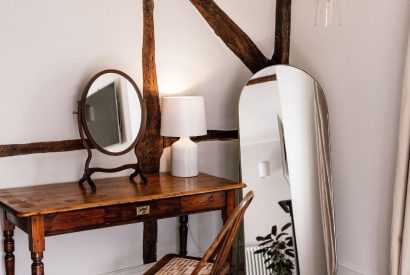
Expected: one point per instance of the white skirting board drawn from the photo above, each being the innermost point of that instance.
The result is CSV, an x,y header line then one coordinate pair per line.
x,y
345,268
135,270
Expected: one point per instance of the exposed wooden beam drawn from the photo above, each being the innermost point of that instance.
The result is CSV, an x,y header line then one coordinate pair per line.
x,y
221,135
261,79
282,32
40,147
149,149
232,35
212,135
9,150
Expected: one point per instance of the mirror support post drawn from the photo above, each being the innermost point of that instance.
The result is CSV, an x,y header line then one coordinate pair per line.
x,y
88,171
86,176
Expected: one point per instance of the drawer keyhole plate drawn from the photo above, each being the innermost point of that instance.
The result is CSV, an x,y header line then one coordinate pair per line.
x,y
143,210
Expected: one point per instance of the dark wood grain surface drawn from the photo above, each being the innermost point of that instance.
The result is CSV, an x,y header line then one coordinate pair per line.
x,y
8,245
282,32
212,135
149,149
61,208
8,150
61,197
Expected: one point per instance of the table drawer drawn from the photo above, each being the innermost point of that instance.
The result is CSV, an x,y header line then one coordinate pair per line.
x,y
133,212
74,220
141,211
109,216
203,202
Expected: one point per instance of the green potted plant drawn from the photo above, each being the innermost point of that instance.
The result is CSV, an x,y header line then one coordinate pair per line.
x,y
278,251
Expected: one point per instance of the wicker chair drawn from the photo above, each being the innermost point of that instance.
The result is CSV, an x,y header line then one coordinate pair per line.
x,y
215,260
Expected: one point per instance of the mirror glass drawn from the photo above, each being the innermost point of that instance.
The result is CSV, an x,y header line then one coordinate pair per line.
x,y
284,143
113,112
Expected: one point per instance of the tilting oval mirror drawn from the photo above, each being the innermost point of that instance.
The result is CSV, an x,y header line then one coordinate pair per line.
x,y
113,112
284,143
111,119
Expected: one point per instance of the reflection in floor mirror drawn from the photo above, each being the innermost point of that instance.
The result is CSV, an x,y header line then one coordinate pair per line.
x,y
284,143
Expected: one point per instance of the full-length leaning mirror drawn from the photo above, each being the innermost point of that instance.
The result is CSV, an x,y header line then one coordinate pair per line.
x,y
111,119
284,143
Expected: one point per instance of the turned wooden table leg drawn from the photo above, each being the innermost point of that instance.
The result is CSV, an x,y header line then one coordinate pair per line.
x,y
9,260
37,267
8,233
183,235
37,244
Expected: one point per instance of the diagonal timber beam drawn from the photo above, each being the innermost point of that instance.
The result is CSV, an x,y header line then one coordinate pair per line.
x,y
232,35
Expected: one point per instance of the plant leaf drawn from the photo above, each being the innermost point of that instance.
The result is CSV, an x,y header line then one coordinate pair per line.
x,y
274,230
277,250
260,251
289,242
286,226
290,253
268,237
281,245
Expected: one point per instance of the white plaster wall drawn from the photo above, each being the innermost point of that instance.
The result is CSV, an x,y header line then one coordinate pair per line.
x,y
50,49
360,68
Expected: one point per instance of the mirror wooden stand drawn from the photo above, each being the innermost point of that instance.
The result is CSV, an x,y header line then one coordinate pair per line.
x,y
111,118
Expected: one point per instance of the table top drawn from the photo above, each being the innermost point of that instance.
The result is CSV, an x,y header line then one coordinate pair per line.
x,y
61,197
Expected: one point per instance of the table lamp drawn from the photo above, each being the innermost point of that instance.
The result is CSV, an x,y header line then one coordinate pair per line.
x,y
183,117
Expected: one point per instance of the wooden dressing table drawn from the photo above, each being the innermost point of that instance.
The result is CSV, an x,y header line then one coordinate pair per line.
x,y
53,209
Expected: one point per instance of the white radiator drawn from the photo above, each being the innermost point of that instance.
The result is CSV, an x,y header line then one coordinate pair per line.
x,y
255,263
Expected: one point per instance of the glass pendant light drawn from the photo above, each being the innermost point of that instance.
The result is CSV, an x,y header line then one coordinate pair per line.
x,y
328,13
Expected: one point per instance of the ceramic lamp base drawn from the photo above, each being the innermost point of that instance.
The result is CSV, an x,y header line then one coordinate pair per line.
x,y
184,158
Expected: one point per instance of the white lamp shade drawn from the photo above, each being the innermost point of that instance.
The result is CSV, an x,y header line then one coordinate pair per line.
x,y
183,116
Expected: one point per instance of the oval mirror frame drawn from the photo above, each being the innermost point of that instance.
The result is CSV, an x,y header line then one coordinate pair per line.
x,y
82,106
